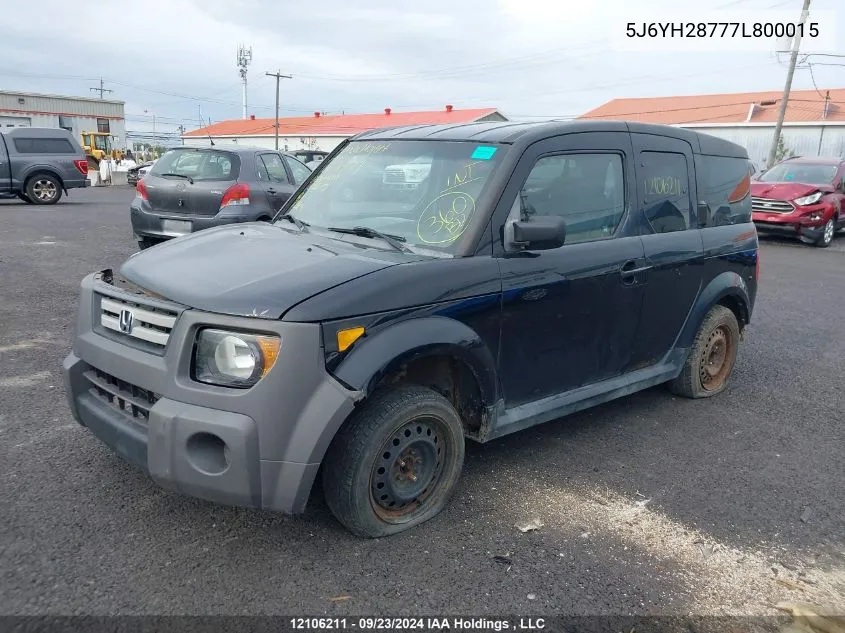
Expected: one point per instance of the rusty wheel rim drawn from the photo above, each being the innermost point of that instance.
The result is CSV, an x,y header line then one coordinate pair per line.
x,y
717,358
408,469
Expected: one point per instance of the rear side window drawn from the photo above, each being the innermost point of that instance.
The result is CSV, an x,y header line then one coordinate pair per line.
x,y
198,164
725,187
44,146
664,186
300,172
274,167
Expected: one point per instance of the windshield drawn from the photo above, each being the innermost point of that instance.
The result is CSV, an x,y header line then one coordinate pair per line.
x,y
422,192
101,142
809,173
197,164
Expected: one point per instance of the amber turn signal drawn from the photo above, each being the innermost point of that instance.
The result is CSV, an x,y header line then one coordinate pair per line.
x,y
346,337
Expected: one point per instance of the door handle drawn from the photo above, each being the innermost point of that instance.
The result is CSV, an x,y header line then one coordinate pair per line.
x,y
631,272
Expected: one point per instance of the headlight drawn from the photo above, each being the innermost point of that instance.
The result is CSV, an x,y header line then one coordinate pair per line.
x,y
811,199
232,359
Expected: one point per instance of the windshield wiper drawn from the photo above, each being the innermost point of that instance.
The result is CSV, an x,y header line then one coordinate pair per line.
x,y
302,226
188,178
364,231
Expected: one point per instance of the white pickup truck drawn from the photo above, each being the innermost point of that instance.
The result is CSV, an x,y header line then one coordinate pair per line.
x,y
407,176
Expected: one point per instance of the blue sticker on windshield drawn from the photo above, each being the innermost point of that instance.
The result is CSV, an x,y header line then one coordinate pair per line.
x,y
790,176
483,152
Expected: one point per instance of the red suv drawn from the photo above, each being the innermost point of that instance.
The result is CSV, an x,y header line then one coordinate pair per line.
x,y
804,197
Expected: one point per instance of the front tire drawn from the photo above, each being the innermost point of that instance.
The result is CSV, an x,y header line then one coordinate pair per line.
x,y
712,357
44,189
395,463
829,230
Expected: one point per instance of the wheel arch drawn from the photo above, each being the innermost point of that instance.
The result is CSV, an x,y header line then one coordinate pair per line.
x,y
728,289
39,170
437,352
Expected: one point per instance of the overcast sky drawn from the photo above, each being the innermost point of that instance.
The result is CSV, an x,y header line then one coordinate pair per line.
x,y
539,58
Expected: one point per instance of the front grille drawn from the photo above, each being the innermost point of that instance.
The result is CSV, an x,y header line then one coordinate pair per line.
x,y
134,402
394,175
144,323
767,205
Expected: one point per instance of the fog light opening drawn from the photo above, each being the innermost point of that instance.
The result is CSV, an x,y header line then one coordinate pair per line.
x,y
207,453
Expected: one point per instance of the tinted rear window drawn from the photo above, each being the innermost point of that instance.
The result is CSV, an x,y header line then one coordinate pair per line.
x,y
44,146
725,186
198,164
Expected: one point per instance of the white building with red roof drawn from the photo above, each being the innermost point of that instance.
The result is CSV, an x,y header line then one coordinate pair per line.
x,y
325,132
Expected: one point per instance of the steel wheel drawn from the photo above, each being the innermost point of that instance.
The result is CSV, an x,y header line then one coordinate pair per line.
x,y
394,464
717,358
44,189
408,469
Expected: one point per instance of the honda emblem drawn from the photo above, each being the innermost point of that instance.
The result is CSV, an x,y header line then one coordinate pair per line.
x,y
125,321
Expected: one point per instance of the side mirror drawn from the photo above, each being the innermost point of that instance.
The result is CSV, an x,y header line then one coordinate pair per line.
x,y
539,232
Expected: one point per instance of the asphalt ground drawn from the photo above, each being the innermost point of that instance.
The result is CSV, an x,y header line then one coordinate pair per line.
x,y
651,504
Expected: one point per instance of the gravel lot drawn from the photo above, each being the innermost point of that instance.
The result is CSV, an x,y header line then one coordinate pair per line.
x,y
650,504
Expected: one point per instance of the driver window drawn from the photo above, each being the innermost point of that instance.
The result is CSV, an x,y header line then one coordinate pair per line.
x,y
586,190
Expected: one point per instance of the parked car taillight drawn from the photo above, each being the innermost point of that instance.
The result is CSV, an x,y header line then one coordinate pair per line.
x,y
82,166
235,195
141,189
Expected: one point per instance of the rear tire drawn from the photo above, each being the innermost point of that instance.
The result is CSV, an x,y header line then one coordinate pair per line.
x,y
43,189
712,357
25,198
395,463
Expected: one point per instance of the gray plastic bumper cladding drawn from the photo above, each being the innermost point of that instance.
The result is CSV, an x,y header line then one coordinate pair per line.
x,y
259,447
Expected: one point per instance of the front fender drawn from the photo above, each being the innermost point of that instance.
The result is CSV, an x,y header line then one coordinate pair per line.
x,y
727,284
378,355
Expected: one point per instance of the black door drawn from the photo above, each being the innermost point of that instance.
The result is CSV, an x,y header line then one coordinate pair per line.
x,y
672,242
570,314
279,186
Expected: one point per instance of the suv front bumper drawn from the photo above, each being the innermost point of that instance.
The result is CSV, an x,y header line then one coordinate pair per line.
x,y
259,447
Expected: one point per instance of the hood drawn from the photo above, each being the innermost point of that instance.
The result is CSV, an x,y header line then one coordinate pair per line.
x,y
785,190
251,269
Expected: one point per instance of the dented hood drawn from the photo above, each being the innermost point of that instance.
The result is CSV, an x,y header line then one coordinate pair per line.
x,y
251,269
785,190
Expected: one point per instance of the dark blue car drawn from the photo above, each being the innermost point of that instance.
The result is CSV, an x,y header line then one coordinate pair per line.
x,y
532,271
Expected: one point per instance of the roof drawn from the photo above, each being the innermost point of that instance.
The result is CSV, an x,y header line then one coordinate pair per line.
x,y
526,133
746,107
232,148
46,95
338,125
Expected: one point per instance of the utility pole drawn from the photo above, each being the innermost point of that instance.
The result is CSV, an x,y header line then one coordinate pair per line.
x,y
101,89
278,77
244,60
796,44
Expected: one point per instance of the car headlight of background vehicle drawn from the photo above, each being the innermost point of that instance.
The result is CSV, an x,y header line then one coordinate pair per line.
x,y
811,199
234,359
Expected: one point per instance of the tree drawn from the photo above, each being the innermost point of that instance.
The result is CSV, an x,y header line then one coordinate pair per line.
x,y
782,152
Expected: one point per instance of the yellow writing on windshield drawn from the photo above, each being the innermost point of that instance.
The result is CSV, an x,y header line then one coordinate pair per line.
x,y
367,148
463,176
663,186
445,218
